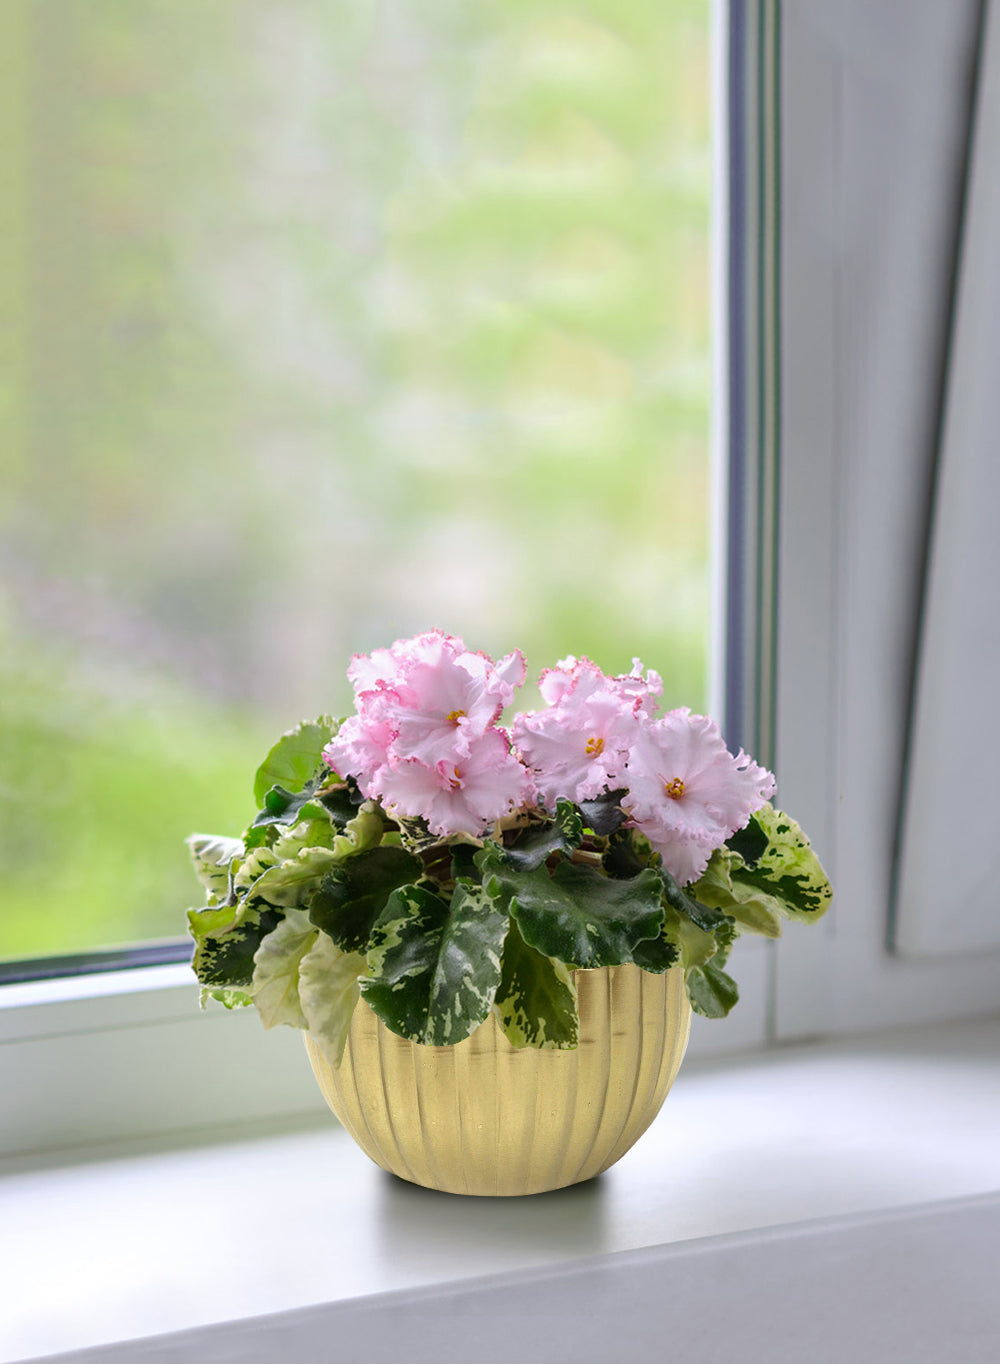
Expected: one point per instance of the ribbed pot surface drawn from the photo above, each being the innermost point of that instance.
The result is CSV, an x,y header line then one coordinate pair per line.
x,y
483,1117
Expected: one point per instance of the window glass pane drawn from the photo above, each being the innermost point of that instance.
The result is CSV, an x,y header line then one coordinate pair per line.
x,y
330,322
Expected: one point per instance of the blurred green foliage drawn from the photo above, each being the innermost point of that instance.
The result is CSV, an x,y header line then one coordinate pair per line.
x,y
328,322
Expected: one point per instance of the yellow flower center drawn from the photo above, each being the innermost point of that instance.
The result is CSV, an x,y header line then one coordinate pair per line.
x,y
456,780
454,716
594,745
674,788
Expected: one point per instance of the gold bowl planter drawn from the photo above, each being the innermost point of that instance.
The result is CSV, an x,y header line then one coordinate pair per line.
x,y
483,1117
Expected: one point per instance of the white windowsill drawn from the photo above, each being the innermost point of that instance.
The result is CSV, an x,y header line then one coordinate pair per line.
x,y
131,1241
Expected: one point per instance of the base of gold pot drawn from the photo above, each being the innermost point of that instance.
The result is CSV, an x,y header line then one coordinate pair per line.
x,y
486,1118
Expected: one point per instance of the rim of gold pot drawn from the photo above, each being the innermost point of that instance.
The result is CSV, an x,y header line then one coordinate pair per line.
x,y
483,1117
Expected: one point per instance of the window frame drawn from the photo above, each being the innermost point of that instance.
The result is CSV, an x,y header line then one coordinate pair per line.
x,y
122,1054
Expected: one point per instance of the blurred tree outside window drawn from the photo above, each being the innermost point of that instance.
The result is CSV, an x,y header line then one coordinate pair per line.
x,y
323,323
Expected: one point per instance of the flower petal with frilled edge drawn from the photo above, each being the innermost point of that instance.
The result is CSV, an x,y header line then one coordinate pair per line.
x,y
352,895
296,757
275,985
435,967
577,915
536,998
329,992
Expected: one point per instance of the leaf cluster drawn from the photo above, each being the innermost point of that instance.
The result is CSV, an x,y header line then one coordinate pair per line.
x,y
326,899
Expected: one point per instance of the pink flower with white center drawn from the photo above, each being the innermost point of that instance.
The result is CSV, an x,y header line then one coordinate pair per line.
x,y
463,796
426,698
686,791
443,699
578,748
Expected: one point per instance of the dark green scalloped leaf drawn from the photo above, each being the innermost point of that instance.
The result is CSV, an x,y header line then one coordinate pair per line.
x,y
750,842
536,998
704,916
351,896
575,914
604,814
295,758
435,967
621,859
341,802
536,845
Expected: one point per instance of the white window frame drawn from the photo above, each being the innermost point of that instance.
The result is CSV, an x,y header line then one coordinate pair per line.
x,y
127,1054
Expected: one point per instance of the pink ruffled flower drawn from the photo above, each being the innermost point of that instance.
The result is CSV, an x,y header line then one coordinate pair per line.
x,y
686,791
465,796
425,738
579,746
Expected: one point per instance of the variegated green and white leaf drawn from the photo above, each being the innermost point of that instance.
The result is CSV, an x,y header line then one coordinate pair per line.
x,y
536,999
754,910
226,938
257,861
329,992
275,984
353,893
788,875
435,967
291,883
362,832
229,999
211,856
575,914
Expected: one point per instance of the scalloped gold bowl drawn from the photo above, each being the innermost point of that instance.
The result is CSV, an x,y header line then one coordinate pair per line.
x,y
486,1118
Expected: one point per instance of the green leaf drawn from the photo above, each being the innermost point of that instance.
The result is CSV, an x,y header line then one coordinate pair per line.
x,y
659,954
253,866
229,999
685,903
287,807
291,883
537,844
226,939
275,984
711,991
295,758
211,856
754,911
329,990
577,915
363,831
695,945
353,894
536,998
788,872
435,967
622,859
310,832
604,814
749,842
341,802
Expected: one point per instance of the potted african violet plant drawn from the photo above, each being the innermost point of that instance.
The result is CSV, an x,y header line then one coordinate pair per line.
x,y
493,937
